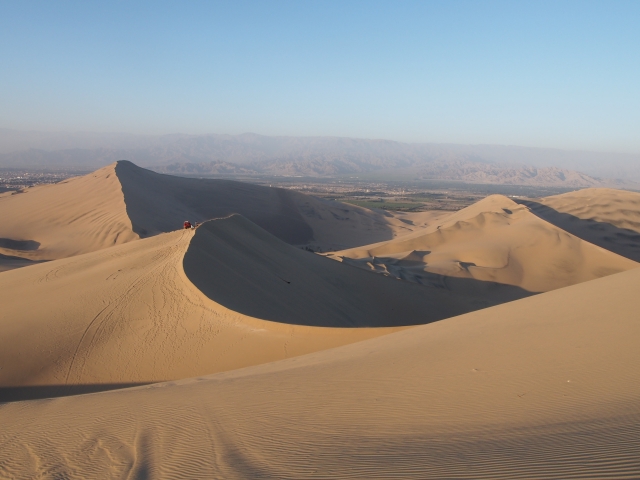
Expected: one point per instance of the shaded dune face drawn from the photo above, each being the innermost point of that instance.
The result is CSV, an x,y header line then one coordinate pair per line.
x,y
11,262
543,388
605,217
128,315
122,202
27,245
242,267
160,203
493,242
191,302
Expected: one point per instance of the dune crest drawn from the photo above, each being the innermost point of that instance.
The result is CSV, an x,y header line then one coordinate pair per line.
x,y
605,217
122,202
495,242
545,387
133,313
248,357
79,215
239,265
157,203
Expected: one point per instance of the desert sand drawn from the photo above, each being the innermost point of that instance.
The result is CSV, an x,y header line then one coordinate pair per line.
x,y
78,215
229,352
191,302
544,387
494,250
122,202
605,217
10,262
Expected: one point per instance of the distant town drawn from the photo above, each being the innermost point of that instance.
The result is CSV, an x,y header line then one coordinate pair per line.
x,y
17,179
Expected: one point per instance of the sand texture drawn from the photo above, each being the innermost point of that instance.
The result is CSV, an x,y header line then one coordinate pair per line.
x,y
495,250
158,203
606,217
229,352
79,215
10,262
544,387
190,303
122,202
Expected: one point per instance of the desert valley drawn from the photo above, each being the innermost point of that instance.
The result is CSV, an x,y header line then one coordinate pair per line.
x,y
495,341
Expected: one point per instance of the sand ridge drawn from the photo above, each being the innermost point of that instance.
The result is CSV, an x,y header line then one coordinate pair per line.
x,y
157,203
134,313
78,215
241,266
606,217
122,202
495,248
521,390
286,364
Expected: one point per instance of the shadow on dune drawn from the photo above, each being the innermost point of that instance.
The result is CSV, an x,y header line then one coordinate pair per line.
x,y
9,262
159,203
26,245
478,293
37,392
622,241
243,268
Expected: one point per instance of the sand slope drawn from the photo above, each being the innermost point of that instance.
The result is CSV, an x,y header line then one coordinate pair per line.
x,y
132,313
9,262
606,217
157,203
495,249
244,268
79,215
545,387
122,202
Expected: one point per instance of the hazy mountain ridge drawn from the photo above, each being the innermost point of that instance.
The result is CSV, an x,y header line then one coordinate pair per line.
x,y
500,174
468,172
251,154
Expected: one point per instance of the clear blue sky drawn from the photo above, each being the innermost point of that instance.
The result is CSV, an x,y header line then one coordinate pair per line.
x,y
559,73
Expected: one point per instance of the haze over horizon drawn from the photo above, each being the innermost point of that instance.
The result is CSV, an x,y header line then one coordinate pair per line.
x,y
424,263
535,74
84,137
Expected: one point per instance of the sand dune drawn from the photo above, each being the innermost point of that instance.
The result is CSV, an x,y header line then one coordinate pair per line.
x,y
121,202
545,387
9,262
132,313
495,250
78,215
606,217
286,364
165,201
241,266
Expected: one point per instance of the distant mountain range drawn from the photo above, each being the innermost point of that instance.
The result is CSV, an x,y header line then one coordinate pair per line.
x,y
251,154
452,170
